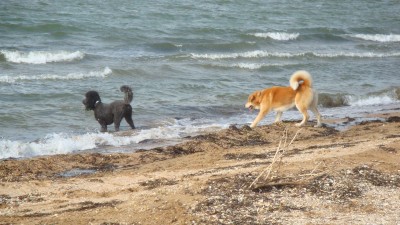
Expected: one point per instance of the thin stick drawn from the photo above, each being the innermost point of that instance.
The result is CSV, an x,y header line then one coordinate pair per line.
x,y
277,154
285,135
298,131
312,172
269,166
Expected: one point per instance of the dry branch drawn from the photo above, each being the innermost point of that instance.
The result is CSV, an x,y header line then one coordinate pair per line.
x,y
278,155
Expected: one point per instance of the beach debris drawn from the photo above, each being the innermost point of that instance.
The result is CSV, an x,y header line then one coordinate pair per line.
x,y
279,154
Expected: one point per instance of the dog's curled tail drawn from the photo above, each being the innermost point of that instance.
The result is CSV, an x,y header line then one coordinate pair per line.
x,y
300,77
128,93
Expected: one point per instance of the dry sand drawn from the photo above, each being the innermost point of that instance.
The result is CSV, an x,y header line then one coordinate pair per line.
x,y
324,177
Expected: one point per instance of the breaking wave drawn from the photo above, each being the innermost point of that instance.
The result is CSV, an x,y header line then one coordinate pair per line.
x,y
279,36
264,54
250,66
338,100
41,57
63,143
377,37
333,100
250,54
371,100
356,55
71,76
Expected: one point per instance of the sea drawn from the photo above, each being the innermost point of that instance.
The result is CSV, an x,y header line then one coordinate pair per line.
x,y
191,65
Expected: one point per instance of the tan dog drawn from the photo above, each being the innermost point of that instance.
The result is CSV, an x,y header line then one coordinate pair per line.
x,y
279,99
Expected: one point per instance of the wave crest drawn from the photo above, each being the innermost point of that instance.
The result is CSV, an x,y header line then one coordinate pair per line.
x,y
338,100
250,54
279,36
378,37
372,100
264,54
63,143
333,100
71,76
41,57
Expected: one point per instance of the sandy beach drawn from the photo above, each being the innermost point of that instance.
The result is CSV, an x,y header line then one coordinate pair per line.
x,y
275,174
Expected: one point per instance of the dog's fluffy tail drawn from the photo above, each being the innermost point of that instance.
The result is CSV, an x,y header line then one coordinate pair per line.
x,y
300,77
128,93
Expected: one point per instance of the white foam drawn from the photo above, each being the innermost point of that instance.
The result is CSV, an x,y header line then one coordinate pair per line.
x,y
60,144
67,143
371,100
250,66
356,55
51,145
255,66
279,36
41,57
250,54
71,76
263,54
378,37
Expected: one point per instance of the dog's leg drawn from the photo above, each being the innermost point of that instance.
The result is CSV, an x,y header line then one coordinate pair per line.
x,y
129,120
303,111
117,121
103,127
260,116
314,109
128,115
278,117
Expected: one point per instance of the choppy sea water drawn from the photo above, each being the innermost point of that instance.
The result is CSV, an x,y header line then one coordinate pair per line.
x,y
191,65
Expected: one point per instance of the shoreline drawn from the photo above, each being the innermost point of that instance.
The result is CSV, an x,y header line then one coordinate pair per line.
x,y
127,141
326,176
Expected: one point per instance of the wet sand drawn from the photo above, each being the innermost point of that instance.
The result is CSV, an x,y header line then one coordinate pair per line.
x,y
266,175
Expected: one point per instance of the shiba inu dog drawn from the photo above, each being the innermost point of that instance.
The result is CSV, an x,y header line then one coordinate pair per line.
x,y
280,99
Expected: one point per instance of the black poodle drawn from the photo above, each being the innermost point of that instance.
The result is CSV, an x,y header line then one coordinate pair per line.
x,y
107,114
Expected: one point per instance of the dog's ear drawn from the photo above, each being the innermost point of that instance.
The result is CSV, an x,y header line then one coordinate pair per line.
x,y
255,97
252,98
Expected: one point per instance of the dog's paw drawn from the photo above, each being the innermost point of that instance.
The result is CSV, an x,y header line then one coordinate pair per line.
x,y
298,124
246,128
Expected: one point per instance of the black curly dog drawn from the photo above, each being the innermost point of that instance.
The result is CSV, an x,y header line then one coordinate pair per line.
x,y
107,114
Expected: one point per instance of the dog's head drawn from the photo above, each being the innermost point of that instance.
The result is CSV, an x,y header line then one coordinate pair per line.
x,y
254,100
91,98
